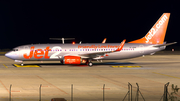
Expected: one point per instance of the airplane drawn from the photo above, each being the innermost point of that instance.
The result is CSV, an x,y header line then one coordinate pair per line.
x,y
152,42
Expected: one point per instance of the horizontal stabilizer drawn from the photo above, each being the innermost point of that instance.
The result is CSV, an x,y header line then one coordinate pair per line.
x,y
165,44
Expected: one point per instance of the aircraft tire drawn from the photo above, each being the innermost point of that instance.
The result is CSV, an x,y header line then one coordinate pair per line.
x,y
22,64
90,64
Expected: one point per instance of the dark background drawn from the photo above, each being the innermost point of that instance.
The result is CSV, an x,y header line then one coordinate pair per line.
x,y
27,22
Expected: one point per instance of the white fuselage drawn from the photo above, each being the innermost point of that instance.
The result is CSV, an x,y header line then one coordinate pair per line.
x,y
47,52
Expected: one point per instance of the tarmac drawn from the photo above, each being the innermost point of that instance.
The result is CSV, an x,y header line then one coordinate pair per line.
x,y
84,83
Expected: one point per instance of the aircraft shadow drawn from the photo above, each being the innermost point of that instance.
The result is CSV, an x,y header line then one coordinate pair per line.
x,y
99,63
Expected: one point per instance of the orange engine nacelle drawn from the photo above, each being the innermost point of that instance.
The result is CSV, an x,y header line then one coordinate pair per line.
x,y
72,60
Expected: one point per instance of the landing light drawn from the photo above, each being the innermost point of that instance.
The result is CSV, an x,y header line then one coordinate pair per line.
x,y
73,43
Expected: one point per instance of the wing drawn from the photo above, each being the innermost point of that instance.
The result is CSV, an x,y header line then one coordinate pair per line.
x,y
96,55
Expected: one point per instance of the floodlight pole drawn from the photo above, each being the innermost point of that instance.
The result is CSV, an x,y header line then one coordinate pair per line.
x,y
166,92
40,92
103,92
10,92
71,92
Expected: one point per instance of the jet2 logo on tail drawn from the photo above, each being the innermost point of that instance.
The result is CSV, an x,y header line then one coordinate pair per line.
x,y
153,30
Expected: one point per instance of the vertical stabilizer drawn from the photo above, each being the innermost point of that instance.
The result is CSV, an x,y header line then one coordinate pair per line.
x,y
157,33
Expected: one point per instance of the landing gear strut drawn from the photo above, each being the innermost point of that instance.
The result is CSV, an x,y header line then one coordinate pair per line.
x,y
62,62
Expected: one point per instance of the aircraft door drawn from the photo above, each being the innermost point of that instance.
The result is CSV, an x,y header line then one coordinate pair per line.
x,y
24,49
141,47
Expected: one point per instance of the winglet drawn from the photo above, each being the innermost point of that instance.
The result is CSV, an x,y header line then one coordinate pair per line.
x,y
104,41
121,45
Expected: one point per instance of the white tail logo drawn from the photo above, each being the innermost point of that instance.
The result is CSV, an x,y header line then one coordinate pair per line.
x,y
153,30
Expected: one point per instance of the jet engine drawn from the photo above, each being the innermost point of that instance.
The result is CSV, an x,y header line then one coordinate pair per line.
x,y
72,60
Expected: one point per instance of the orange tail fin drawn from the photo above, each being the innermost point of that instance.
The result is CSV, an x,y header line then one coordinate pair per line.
x,y
157,33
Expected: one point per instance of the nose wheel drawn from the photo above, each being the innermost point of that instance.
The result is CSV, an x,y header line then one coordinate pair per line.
x,y
22,64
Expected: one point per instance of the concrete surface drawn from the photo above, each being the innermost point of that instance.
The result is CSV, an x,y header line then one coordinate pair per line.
x,y
56,79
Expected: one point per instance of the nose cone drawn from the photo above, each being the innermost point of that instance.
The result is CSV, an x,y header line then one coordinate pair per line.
x,y
8,54
11,55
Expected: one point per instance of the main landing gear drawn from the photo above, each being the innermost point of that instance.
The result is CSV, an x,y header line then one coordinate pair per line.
x,y
89,63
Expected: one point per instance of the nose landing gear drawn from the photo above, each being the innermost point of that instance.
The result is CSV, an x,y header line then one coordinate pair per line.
x,y
22,64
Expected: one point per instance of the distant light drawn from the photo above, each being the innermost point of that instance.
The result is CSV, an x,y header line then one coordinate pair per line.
x,y
73,43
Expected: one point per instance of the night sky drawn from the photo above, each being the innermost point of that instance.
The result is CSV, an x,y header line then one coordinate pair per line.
x,y
27,22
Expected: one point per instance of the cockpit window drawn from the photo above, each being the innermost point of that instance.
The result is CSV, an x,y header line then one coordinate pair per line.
x,y
15,49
